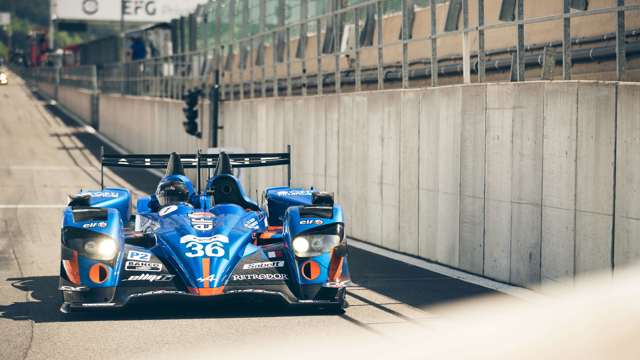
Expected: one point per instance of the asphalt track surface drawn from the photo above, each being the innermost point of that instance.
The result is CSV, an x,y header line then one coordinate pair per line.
x,y
44,156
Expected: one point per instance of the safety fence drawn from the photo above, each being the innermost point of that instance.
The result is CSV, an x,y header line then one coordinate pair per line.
x,y
282,48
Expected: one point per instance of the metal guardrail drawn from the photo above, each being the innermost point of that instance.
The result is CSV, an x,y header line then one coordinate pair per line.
x,y
225,37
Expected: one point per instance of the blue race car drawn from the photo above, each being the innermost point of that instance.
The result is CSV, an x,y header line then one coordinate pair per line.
x,y
214,244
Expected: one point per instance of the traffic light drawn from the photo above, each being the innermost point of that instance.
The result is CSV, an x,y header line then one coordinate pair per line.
x,y
191,112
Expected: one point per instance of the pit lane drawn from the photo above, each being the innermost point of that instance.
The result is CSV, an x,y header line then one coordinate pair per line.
x,y
44,156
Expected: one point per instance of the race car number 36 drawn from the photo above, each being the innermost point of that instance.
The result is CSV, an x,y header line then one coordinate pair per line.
x,y
200,246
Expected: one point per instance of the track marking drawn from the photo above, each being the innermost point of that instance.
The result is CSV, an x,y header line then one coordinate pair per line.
x,y
515,291
47,167
32,206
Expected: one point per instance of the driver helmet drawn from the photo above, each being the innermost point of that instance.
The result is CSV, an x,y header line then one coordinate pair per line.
x,y
173,190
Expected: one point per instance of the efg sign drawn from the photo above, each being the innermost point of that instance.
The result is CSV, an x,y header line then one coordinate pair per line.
x,y
134,10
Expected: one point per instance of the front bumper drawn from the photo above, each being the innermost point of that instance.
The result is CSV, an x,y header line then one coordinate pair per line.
x,y
110,298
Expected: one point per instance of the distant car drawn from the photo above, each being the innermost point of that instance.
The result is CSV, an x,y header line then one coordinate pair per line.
x,y
218,244
4,79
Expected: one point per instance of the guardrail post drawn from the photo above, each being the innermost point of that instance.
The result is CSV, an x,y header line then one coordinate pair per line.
x,y
481,65
57,72
404,35
379,29
95,98
466,54
566,40
620,44
434,44
520,40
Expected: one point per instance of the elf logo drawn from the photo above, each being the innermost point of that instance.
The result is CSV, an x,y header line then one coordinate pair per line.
x,y
150,277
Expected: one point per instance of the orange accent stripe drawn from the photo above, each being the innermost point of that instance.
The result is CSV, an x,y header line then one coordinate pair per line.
x,y
338,274
335,267
72,268
206,262
274,228
267,235
207,291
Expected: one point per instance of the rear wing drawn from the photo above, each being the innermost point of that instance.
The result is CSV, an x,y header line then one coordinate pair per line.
x,y
195,161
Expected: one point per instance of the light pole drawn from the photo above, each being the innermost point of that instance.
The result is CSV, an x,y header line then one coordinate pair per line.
x,y
52,27
123,52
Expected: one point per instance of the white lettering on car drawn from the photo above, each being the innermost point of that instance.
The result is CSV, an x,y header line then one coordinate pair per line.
x,y
212,246
264,265
150,277
142,266
138,255
242,277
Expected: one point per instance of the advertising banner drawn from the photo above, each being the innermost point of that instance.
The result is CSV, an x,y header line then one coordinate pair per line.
x,y
134,10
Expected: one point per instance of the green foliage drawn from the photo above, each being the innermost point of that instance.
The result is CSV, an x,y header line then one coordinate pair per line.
x,y
4,51
64,38
33,11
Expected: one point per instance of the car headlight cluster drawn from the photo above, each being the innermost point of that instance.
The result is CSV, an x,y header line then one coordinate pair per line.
x,y
101,249
314,244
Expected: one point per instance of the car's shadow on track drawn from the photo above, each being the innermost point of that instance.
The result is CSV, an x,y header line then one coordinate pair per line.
x,y
44,301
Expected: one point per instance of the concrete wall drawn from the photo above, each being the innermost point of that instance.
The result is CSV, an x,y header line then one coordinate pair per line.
x,y
48,88
520,182
78,101
148,125
513,181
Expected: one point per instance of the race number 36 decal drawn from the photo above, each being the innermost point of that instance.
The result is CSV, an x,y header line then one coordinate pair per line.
x,y
204,246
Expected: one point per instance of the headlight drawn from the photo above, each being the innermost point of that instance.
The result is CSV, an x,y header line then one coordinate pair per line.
x,y
101,249
314,244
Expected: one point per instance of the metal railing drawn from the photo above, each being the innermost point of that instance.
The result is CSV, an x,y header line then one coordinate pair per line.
x,y
221,38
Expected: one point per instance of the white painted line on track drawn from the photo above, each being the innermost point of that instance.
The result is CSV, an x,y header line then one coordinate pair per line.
x,y
515,291
47,167
32,206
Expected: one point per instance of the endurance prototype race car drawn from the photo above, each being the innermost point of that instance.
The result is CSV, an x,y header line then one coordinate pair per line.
x,y
216,244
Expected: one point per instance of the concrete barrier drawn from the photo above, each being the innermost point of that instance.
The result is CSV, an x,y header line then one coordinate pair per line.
x,y
627,176
513,181
149,125
48,89
520,182
78,101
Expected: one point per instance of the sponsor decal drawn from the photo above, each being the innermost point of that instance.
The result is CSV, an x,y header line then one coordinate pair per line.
x,y
242,277
251,224
98,304
311,222
105,194
157,292
73,288
208,278
295,193
274,254
205,215
212,246
138,255
150,277
202,221
142,266
264,265
167,210
93,225
90,7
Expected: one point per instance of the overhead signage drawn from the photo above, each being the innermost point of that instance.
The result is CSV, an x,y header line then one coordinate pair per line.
x,y
134,10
